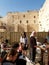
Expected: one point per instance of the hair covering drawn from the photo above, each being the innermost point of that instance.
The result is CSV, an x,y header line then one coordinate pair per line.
x,y
32,34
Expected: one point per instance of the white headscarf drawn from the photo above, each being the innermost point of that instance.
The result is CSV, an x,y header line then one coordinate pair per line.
x,y
32,34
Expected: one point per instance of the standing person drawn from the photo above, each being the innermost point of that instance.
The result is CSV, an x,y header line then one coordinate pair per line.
x,y
24,40
47,37
3,49
32,46
7,42
43,51
2,46
38,50
25,37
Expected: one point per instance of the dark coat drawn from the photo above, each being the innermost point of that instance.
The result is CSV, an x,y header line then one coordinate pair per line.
x,y
32,42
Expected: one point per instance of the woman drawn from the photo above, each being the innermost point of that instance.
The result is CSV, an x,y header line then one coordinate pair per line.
x,y
21,56
24,41
32,46
11,56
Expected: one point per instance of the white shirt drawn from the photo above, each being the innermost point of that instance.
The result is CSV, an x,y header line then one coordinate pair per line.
x,y
2,47
22,40
38,50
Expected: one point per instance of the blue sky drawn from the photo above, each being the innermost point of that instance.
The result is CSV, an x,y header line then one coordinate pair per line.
x,y
19,5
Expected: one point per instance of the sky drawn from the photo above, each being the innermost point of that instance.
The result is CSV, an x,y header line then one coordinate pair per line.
x,y
19,6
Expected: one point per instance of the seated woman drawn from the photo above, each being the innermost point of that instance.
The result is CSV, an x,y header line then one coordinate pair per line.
x,y
11,56
21,59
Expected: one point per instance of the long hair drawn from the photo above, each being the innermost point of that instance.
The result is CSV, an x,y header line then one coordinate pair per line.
x,y
13,50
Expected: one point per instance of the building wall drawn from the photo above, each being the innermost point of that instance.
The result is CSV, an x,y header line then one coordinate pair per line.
x,y
22,21
28,21
44,17
2,27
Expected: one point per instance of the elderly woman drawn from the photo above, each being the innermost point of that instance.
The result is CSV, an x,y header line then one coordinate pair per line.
x,y
32,46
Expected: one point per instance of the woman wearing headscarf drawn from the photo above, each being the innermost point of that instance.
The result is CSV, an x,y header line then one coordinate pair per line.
x,y
32,46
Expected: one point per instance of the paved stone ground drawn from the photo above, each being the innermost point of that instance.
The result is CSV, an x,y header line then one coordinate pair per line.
x,y
32,64
38,58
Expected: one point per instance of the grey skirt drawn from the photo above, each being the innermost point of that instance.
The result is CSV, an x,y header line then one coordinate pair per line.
x,y
8,63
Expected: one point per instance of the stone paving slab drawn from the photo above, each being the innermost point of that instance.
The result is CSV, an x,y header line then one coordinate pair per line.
x,y
32,64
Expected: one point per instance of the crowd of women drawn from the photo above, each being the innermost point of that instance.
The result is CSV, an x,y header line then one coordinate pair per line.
x,y
18,51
